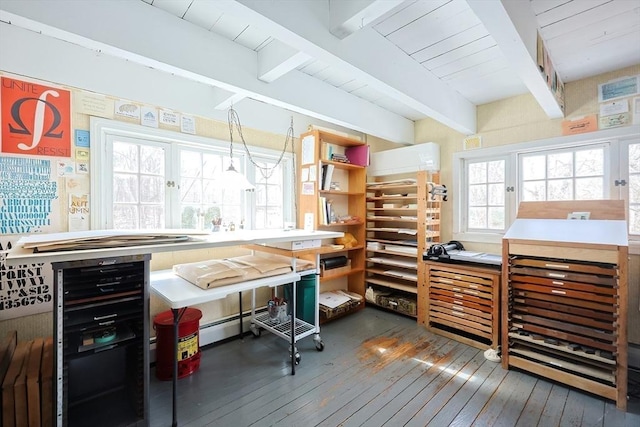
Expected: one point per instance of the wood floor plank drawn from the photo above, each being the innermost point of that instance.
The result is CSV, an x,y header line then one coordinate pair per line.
x,y
434,403
380,382
453,407
614,417
361,416
552,411
471,410
592,410
260,402
506,403
431,376
530,415
379,360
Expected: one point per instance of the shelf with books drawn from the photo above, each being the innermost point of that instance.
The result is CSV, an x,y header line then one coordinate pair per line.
x,y
403,220
331,195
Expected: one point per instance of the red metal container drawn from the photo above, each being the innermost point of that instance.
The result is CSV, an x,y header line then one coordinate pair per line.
x,y
188,343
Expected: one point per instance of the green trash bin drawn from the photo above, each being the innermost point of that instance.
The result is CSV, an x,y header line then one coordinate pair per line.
x,y
305,298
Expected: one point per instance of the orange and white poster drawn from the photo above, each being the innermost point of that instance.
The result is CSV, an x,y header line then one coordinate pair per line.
x,y
35,119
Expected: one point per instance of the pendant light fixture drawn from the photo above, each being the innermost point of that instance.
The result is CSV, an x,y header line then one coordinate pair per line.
x,y
231,178
234,179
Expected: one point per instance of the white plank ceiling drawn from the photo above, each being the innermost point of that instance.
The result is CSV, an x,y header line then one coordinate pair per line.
x,y
394,61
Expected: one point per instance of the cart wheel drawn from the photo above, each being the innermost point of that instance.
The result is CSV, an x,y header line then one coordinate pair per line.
x,y
319,345
255,331
298,357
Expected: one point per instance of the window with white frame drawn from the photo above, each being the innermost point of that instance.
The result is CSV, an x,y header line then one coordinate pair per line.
x,y
163,180
632,190
574,173
486,195
566,168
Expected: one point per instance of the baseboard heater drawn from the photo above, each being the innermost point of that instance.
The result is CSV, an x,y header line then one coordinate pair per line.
x,y
216,331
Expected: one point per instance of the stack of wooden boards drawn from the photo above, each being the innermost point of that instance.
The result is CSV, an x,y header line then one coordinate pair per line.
x,y
26,371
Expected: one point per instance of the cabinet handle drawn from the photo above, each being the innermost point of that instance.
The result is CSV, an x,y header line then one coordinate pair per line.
x,y
561,276
457,313
555,282
471,285
455,307
108,316
556,265
470,292
458,296
456,289
457,277
107,323
446,281
555,291
103,290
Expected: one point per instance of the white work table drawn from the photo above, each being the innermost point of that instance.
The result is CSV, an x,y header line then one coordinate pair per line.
x,y
175,291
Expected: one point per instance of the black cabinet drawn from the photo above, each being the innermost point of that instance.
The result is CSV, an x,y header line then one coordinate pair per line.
x,y
102,334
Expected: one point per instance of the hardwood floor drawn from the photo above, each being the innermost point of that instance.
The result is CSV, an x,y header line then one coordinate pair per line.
x,y
377,369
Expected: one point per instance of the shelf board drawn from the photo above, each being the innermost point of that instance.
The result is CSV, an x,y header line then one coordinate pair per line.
x,y
333,138
390,262
392,219
345,274
342,224
403,254
375,188
406,242
391,209
341,193
345,166
386,273
398,197
392,285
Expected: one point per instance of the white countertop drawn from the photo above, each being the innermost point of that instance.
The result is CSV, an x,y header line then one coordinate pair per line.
x,y
20,256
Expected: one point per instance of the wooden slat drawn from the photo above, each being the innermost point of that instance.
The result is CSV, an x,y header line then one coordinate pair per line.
x,y
599,209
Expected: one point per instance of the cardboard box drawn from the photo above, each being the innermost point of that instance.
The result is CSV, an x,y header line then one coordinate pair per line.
x,y
7,348
33,382
8,391
46,383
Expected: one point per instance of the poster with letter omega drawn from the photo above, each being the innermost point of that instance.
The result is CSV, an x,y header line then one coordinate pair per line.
x,y
36,119
35,125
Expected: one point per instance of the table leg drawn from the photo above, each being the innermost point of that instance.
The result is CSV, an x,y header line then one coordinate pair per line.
x,y
293,329
240,304
177,315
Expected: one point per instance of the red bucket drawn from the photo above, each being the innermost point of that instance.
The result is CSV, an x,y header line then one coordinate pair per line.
x,y
188,343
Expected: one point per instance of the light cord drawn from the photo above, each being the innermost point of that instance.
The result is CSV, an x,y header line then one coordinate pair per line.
x,y
266,172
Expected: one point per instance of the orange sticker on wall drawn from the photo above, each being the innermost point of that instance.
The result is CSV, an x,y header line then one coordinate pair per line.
x,y
35,119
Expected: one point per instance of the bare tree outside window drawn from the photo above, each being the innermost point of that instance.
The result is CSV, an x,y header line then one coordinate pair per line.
x,y
576,174
486,188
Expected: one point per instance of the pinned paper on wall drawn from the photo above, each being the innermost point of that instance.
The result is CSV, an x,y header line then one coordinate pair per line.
x,y
619,88
636,110
580,125
149,117
616,107
169,118
188,125
127,109
308,188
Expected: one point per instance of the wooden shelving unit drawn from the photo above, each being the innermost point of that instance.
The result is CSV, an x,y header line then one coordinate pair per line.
x,y
564,295
403,220
347,201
